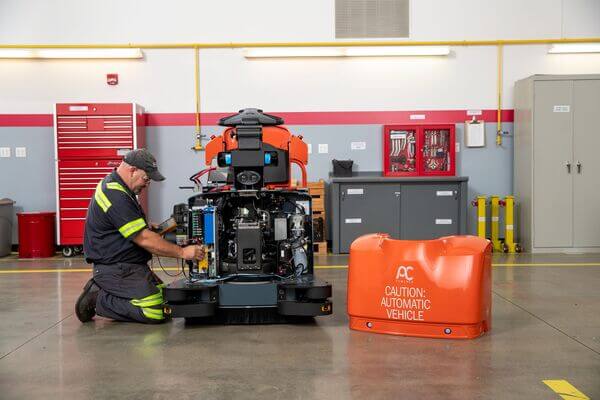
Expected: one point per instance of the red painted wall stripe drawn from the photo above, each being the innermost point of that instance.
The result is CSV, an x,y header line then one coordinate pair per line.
x,y
291,118
26,120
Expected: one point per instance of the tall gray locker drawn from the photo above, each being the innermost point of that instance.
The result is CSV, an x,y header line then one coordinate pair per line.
x,y
556,172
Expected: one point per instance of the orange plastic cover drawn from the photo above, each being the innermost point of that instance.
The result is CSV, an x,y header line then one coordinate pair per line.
x,y
430,288
277,136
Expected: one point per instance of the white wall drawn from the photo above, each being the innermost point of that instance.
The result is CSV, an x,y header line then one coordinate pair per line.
x,y
163,81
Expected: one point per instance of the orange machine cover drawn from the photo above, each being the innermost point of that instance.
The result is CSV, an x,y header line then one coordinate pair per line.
x,y
277,136
430,288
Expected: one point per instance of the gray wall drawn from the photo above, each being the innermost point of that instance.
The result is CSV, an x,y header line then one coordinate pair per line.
x,y
30,181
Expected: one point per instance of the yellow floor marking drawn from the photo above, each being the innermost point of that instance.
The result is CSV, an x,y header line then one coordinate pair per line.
x,y
547,265
59,259
497,265
172,268
565,390
32,271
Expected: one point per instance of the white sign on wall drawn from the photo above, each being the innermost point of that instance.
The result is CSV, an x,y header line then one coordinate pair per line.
x,y
358,145
562,108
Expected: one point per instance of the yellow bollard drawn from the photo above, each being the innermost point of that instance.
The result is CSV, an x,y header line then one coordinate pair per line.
x,y
495,211
509,230
481,216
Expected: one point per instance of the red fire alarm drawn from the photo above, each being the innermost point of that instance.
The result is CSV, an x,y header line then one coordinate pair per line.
x,y
112,79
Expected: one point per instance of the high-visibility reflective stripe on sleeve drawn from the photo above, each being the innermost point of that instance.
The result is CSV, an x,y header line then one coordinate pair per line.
x,y
148,301
132,227
153,313
101,198
116,186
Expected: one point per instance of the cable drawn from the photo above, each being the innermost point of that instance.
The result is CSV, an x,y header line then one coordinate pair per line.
x,y
196,177
298,206
163,269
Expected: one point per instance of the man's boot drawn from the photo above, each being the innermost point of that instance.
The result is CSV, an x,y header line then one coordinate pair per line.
x,y
85,308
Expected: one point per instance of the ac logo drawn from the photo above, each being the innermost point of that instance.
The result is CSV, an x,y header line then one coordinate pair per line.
x,y
404,272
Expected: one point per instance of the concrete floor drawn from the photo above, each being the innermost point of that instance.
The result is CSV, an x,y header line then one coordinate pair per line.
x,y
546,325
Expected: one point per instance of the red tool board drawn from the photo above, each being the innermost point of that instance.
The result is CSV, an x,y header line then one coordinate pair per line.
x,y
419,150
90,139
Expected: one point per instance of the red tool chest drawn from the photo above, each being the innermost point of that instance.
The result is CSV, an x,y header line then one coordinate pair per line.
x,y
413,150
90,141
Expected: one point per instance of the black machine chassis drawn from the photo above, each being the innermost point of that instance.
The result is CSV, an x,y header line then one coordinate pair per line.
x,y
295,297
291,297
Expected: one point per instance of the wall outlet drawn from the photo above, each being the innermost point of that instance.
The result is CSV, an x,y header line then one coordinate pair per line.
x,y
323,148
21,152
4,152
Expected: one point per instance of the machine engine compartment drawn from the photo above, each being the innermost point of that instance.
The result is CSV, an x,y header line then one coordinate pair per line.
x,y
253,233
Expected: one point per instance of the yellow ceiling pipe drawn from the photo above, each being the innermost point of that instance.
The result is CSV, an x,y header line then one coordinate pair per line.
x,y
198,134
499,89
304,44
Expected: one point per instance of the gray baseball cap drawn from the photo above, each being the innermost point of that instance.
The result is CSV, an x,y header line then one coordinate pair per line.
x,y
144,160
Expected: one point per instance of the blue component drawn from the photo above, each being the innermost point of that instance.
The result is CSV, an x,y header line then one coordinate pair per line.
x,y
267,158
209,225
228,159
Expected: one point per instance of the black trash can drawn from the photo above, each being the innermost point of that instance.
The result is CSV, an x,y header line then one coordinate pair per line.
x,y
6,224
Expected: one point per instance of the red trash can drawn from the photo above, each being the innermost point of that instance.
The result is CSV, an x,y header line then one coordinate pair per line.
x,y
36,234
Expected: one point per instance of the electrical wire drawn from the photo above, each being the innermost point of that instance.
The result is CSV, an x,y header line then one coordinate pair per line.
x,y
183,269
163,268
298,206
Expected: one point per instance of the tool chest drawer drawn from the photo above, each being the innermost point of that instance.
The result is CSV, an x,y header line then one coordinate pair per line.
x,y
95,130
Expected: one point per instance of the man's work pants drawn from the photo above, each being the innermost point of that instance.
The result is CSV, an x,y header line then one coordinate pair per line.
x,y
129,292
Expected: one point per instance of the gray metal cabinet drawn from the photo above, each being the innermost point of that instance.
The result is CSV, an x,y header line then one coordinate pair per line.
x,y
405,208
555,173
367,208
586,150
553,164
429,211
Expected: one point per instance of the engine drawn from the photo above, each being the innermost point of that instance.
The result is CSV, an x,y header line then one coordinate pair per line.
x,y
263,232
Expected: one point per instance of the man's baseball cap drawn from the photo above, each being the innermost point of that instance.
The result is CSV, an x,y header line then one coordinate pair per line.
x,y
144,160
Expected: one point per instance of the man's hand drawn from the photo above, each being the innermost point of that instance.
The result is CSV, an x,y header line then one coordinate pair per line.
x,y
193,252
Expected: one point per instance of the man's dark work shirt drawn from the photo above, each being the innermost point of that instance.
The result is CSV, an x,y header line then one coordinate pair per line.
x,y
114,218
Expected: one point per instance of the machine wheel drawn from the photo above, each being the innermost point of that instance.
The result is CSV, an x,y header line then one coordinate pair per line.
x,y
518,248
68,251
78,249
505,247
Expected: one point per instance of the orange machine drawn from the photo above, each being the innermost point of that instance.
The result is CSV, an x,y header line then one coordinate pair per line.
x,y
277,136
429,288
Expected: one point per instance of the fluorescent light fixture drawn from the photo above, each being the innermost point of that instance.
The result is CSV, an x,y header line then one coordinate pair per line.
x,y
566,48
387,51
71,53
359,51
284,52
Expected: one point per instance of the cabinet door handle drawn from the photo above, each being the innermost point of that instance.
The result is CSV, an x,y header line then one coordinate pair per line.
x,y
578,167
568,165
